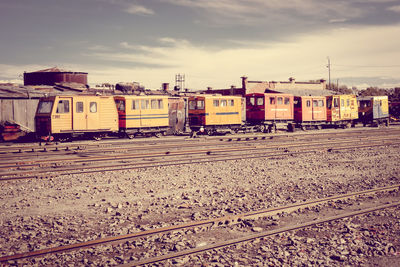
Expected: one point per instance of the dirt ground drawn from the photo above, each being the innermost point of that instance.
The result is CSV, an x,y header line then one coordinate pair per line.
x,y
49,212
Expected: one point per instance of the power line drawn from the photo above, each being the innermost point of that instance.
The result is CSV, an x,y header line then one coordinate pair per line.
x,y
369,66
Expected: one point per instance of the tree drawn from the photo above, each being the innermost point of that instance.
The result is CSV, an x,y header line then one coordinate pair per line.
x,y
342,89
373,91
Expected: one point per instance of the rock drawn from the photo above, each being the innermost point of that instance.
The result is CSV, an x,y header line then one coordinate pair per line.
x,y
109,210
257,229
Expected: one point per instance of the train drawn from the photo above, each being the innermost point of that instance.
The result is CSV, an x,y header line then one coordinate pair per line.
x,y
65,117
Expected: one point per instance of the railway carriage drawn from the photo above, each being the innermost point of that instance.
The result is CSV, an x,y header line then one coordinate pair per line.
x,y
373,110
342,110
140,115
309,111
63,117
269,111
215,113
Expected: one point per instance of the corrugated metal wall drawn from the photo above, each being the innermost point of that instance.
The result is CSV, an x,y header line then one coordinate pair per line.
x,y
20,111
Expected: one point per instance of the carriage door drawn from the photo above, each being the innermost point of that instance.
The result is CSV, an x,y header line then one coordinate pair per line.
x,y
79,110
377,108
62,119
281,108
93,113
334,108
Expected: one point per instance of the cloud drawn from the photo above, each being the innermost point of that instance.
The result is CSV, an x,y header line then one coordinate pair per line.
x,y
394,9
304,58
337,20
139,10
254,10
99,48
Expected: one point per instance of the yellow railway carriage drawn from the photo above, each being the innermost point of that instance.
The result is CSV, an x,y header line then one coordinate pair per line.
x,y
138,115
215,113
341,110
63,117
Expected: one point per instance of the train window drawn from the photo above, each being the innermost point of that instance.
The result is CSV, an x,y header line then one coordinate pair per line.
x,y
272,100
224,103
231,102
260,101
352,103
63,106
315,103
200,104
79,107
135,104
342,103
216,103
45,107
287,100
93,107
154,104
348,102
297,103
321,103
280,100
160,103
251,101
308,103
336,102
329,103
120,105
145,104
192,104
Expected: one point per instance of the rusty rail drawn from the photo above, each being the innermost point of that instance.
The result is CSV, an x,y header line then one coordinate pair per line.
x,y
222,220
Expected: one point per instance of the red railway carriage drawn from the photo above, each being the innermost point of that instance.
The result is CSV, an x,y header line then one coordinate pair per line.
x,y
310,111
270,111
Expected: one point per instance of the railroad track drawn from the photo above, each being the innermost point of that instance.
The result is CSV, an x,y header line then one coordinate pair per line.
x,y
221,221
76,162
115,144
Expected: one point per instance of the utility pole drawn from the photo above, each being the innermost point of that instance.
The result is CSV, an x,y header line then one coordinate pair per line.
x,y
180,81
329,73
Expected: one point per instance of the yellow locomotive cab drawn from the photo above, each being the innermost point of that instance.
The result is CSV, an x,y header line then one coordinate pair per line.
x,y
67,116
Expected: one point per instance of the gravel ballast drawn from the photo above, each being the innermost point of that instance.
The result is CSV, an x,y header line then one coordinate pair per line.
x,y
49,212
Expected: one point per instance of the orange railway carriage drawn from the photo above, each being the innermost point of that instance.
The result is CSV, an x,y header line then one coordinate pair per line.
x,y
270,111
309,111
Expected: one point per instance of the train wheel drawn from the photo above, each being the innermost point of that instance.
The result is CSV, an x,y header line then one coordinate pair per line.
x,y
97,137
130,136
303,128
262,128
272,129
158,135
210,132
318,127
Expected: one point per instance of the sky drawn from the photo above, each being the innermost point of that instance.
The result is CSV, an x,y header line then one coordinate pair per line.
x,y
212,42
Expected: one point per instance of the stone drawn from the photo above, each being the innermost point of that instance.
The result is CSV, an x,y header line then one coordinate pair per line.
x,y
257,229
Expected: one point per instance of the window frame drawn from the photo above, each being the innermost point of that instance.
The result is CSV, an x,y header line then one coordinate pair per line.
x,y
91,110
79,107
65,106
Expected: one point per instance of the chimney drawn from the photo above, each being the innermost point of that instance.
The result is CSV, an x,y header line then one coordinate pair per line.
x,y
244,83
165,86
209,88
292,80
232,89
